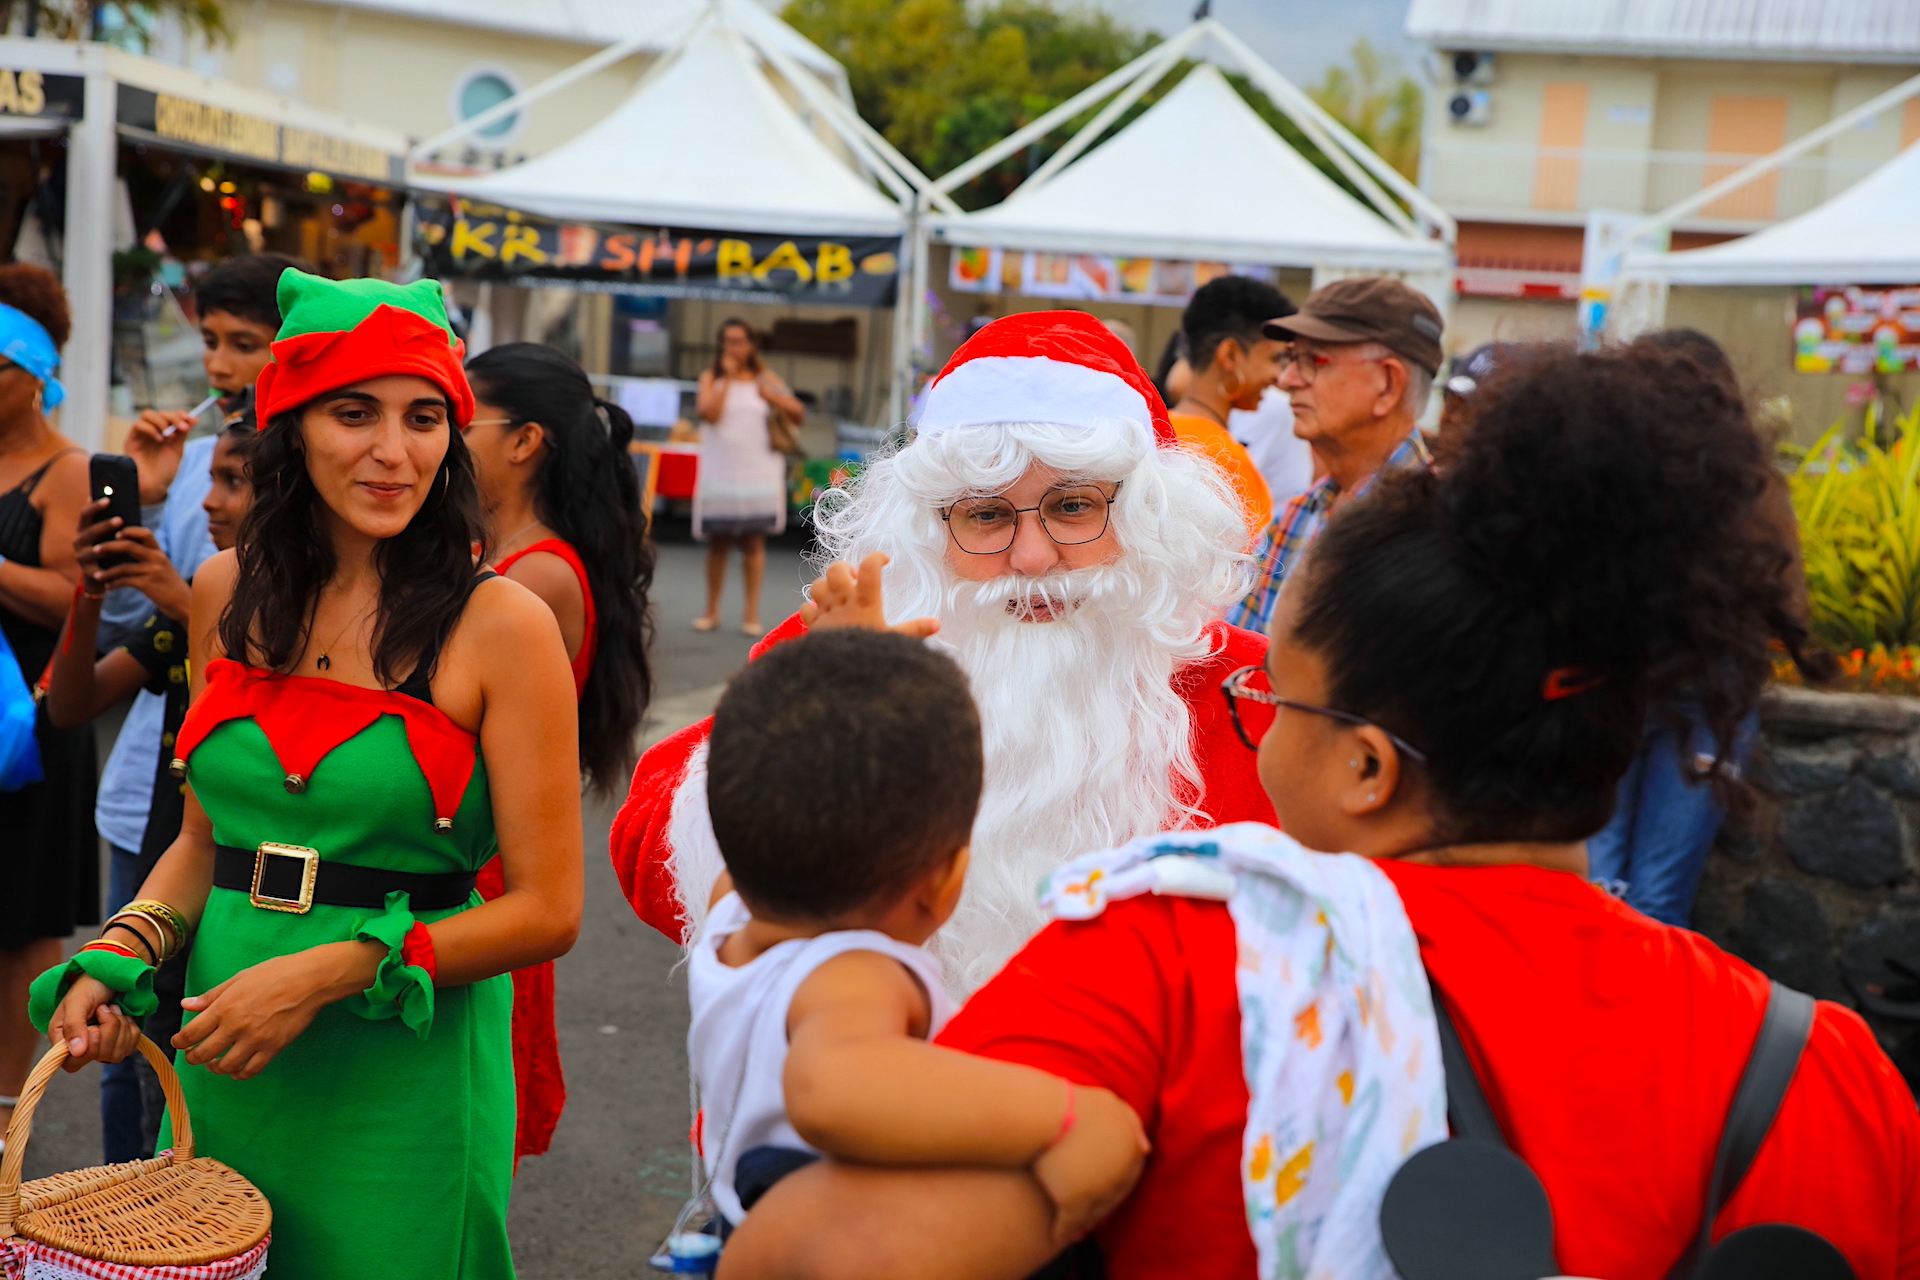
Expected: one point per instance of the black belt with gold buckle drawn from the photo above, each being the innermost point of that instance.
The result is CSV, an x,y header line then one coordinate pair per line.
x,y
292,878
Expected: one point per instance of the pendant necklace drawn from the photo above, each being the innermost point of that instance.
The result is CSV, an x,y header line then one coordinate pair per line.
x,y
324,662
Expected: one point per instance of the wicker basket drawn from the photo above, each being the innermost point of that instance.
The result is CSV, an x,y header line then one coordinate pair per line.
x,y
175,1217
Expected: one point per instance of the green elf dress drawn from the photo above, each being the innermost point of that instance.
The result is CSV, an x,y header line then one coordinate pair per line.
x,y
383,1136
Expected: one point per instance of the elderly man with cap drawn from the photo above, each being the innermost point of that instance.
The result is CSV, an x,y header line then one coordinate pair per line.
x,y
1361,363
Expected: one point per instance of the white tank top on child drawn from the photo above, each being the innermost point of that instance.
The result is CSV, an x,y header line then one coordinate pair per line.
x,y
737,1043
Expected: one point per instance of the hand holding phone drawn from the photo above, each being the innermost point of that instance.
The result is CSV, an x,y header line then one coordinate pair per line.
x,y
116,481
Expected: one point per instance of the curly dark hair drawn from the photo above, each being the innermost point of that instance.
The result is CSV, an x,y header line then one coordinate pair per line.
x,y
426,570
589,493
1597,522
37,291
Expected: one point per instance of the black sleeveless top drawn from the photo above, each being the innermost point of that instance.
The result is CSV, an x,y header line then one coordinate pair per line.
x,y
420,683
20,529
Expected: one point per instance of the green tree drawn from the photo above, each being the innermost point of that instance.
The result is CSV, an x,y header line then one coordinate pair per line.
x,y
1378,103
944,82
128,23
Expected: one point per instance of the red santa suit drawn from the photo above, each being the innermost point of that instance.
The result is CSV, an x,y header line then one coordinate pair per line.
x,y
642,851
1068,770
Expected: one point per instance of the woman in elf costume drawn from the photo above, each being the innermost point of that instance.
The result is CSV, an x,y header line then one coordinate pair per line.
x,y
374,718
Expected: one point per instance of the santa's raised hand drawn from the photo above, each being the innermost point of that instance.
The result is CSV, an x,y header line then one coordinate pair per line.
x,y
847,597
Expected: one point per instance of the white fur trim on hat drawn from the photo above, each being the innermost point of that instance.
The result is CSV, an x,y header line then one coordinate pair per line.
x,y
993,389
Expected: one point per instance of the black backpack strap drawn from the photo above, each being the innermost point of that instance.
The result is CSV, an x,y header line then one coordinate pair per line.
x,y
1468,1111
1763,1085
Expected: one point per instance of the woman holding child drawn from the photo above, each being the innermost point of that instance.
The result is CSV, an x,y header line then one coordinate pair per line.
x,y
1457,680
375,718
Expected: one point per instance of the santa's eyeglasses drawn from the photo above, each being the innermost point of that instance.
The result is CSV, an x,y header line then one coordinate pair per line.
x,y
1070,515
1249,685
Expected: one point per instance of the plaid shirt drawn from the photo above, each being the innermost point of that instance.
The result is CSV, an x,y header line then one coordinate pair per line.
x,y
1298,524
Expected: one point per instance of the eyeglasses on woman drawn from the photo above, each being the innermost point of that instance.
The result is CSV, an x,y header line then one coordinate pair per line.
x,y
1248,685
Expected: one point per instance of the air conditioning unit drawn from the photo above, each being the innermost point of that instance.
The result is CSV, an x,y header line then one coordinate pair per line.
x,y
1470,67
1470,107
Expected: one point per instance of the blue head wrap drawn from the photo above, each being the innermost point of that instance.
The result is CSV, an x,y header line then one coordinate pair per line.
x,y
25,342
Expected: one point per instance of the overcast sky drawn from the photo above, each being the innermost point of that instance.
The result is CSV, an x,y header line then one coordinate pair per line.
x,y
1299,37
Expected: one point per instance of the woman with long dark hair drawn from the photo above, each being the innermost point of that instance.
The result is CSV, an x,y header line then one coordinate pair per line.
x,y
375,717
1459,675
564,502
741,495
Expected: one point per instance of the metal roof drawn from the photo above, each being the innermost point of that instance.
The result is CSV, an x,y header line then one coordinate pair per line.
x,y
1770,30
595,22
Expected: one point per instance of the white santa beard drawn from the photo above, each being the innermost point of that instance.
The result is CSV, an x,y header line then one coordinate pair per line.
x,y
1086,741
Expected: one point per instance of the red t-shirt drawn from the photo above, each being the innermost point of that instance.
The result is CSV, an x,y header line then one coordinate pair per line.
x,y
1619,1041
1610,1046
1141,1000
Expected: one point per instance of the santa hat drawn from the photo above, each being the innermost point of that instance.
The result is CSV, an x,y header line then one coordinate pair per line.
x,y
1045,366
337,332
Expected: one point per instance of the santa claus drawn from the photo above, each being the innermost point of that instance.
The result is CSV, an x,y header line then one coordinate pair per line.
x,y
1075,561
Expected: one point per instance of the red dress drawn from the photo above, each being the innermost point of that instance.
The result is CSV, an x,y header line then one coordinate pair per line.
x,y
537,1074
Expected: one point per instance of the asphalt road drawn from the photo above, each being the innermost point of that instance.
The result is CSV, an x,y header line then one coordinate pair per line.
x,y
598,1202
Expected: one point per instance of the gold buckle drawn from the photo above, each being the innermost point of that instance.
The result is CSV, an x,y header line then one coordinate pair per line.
x,y
267,902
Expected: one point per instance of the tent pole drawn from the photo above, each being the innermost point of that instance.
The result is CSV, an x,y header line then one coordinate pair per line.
x,y
1170,54
846,122
552,84
1046,124
1288,98
1767,164
1298,105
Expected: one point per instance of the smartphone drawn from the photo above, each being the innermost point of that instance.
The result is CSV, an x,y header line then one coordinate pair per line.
x,y
117,480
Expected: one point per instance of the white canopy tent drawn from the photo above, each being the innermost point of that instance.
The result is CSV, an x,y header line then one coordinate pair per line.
x,y
708,139
705,140
1148,192
1198,176
1868,234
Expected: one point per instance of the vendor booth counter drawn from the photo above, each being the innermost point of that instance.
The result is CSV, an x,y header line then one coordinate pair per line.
x,y
123,171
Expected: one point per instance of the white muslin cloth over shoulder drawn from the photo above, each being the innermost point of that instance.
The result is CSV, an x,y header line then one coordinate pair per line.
x,y
737,1042
1337,1034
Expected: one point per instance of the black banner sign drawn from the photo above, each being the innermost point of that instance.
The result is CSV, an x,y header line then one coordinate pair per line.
x,y
465,240
218,131
42,95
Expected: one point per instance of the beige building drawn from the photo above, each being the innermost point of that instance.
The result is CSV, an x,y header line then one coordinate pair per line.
x,y
1542,110
422,66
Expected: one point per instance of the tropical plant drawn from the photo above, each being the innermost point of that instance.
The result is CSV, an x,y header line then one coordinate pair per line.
x,y
1858,504
1381,106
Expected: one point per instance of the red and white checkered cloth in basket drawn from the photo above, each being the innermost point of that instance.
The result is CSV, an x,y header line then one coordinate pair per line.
x,y
23,1259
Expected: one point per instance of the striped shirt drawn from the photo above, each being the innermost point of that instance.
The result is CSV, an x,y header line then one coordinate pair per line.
x,y
1298,524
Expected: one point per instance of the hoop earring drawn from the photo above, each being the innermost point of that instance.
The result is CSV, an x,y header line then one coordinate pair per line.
x,y
446,474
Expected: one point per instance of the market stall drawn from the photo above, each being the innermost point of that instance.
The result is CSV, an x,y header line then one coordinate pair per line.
x,y
127,174
707,193
1196,186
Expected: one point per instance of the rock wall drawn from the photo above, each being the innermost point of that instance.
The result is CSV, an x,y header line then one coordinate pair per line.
x,y
1820,885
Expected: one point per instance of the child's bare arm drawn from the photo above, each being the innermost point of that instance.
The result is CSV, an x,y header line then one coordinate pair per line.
x,y
862,1084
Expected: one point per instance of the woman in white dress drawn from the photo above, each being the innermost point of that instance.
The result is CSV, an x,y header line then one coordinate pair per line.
x,y
742,491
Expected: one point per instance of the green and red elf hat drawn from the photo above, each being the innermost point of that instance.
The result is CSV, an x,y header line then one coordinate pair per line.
x,y
338,332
